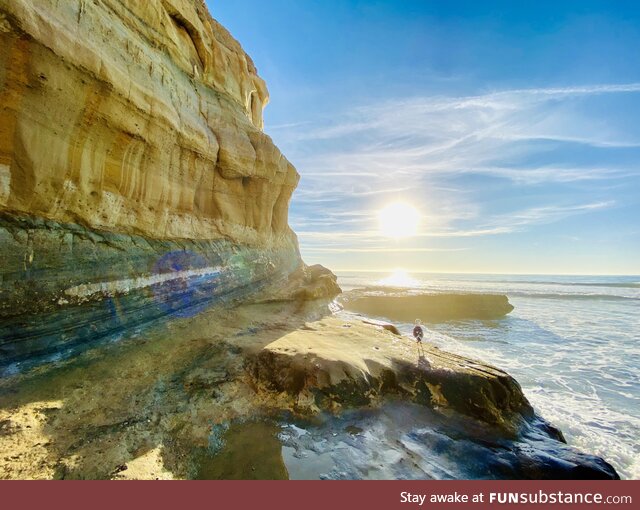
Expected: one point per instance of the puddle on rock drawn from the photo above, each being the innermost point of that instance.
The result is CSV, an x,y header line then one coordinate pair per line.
x,y
401,440
242,451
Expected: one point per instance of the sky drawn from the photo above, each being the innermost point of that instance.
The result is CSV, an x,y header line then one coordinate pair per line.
x,y
512,128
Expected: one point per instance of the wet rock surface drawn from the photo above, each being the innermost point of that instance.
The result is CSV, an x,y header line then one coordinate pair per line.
x,y
399,440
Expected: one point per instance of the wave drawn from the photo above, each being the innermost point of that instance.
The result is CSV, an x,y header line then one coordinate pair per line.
x,y
387,289
613,285
380,290
568,296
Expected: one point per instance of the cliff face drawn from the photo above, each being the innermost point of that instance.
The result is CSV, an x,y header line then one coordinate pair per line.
x,y
135,179
140,117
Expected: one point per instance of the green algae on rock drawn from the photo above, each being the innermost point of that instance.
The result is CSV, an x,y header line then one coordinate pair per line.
x,y
246,451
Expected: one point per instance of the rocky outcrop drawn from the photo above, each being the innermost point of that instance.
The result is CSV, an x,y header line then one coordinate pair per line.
x,y
436,307
307,283
342,362
135,179
346,362
383,324
216,394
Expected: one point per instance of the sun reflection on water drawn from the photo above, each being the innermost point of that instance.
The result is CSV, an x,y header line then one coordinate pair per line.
x,y
398,278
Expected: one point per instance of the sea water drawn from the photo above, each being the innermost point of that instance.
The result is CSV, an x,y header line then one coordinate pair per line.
x,y
572,342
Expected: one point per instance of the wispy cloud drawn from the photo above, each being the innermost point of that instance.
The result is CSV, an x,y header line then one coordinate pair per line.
x,y
453,135
503,224
518,220
451,157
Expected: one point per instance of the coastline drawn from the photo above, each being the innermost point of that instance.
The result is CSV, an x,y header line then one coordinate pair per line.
x,y
158,315
571,342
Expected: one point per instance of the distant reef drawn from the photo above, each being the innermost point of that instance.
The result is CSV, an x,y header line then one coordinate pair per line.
x,y
406,306
135,179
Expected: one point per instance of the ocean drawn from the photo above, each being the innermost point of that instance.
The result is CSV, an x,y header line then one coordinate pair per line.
x,y
572,342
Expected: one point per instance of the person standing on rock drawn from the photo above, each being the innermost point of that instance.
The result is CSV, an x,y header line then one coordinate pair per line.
x,y
418,333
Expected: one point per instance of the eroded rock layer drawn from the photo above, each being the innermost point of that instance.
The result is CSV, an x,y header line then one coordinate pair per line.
x,y
341,362
66,286
134,173
247,392
319,369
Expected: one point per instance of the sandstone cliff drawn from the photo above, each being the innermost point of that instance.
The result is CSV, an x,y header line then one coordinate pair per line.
x,y
136,185
140,117
135,179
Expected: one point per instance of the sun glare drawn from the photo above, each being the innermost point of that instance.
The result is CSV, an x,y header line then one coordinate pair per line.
x,y
399,220
398,278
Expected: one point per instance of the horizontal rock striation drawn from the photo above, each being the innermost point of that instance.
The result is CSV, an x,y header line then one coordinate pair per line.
x,y
135,179
66,286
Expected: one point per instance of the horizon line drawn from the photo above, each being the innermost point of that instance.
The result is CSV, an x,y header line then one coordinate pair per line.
x,y
635,275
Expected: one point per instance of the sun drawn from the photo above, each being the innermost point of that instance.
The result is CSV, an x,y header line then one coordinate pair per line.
x,y
399,220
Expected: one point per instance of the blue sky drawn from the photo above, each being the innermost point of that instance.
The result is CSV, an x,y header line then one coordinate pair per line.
x,y
512,129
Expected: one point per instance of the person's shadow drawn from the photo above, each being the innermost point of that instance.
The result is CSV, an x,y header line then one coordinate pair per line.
x,y
423,362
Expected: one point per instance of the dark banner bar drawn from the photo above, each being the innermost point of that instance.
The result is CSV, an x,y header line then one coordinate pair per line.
x,y
309,495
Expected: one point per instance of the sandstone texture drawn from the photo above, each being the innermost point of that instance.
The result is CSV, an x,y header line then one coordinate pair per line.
x,y
341,361
306,283
135,179
345,362
136,117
